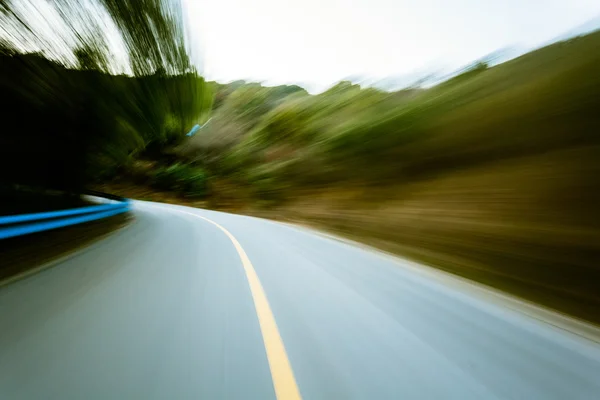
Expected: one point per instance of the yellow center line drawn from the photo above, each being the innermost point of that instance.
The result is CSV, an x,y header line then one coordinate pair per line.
x,y
279,364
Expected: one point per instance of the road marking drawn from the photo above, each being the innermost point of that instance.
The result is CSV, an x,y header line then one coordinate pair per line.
x,y
279,364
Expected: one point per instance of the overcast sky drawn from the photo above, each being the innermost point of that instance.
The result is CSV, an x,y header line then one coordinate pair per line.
x,y
318,42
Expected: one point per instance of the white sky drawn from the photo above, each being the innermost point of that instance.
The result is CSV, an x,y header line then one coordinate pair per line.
x,y
319,42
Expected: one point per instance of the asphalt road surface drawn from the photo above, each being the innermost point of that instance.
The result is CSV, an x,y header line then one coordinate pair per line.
x,y
194,304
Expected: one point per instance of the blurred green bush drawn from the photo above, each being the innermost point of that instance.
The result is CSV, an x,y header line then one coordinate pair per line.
x,y
181,178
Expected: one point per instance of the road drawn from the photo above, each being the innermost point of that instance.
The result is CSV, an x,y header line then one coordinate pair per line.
x,y
195,304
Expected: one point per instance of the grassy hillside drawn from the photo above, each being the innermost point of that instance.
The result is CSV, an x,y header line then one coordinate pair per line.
x,y
493,175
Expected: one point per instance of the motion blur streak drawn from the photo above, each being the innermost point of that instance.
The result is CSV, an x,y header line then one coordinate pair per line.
x,y
490,172
69,119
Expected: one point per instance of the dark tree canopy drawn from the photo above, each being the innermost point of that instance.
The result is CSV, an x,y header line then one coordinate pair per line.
x,y
112,80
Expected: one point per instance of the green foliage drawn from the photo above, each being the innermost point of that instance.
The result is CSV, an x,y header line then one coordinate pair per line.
x,y
184,179
154,34
268,181
72,120
544,100
240,108
248,103
288,122
84,122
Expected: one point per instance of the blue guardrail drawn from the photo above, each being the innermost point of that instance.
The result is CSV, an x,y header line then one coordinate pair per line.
x,y
18,225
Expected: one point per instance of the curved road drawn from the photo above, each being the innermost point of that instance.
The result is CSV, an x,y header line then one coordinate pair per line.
x,y
194,304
